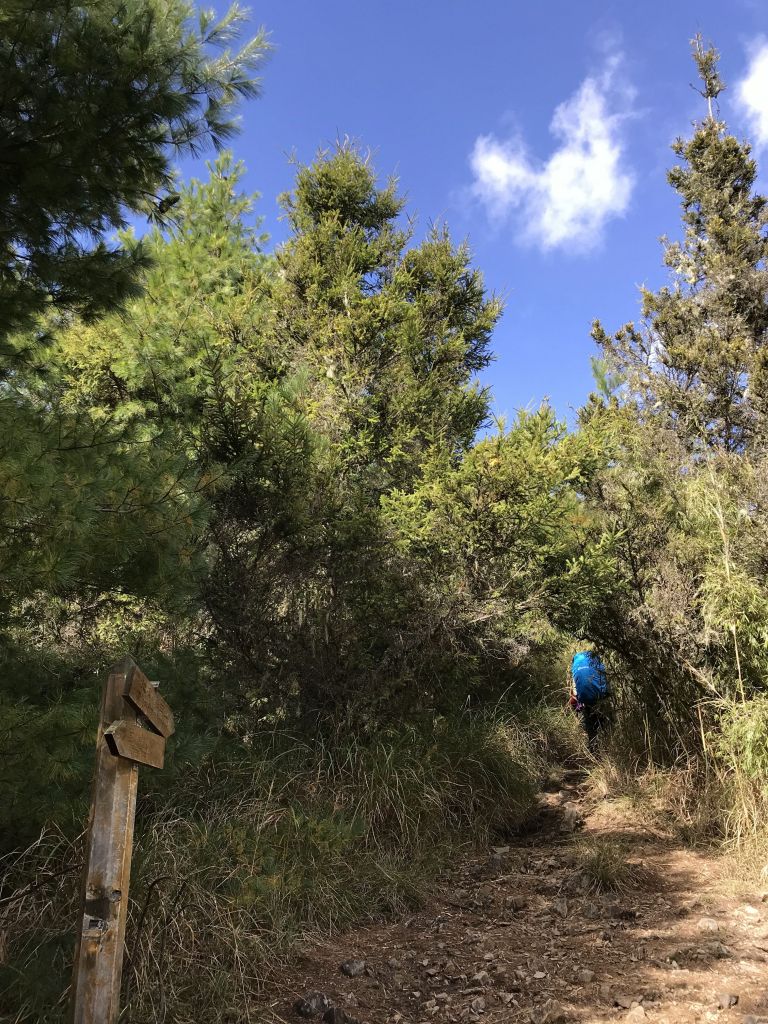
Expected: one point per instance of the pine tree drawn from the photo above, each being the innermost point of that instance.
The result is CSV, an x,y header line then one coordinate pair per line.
x,y
389,337
393,335
95,100
700,355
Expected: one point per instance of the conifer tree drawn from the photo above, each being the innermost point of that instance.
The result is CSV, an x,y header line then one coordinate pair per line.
x,y
389,338
700,356
95,100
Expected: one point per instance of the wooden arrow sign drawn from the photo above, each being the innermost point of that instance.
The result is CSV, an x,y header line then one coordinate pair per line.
x,y
126,739
144,698
121,746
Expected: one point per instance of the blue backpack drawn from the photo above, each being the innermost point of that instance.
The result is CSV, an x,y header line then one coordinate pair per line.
x,y
589,678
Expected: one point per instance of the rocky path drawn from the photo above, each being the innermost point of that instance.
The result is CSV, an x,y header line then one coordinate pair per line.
x,y
525,934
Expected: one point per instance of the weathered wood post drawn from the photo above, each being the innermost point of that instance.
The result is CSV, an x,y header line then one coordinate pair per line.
x,y
134,725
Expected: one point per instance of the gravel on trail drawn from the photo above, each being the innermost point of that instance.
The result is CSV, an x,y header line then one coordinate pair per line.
x,y
520,934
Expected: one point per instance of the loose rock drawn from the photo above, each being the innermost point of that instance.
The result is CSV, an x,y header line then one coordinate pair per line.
x,y
708,925
624,1001
312,1005
353,968
337,1016
548,1013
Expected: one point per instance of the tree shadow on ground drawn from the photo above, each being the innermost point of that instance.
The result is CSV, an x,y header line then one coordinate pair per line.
x,y
531,932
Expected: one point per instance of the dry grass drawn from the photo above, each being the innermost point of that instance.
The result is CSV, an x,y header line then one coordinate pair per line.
x,y
605,866
252,855
685,799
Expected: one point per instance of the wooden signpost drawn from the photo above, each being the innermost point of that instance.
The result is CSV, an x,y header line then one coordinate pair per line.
x,y
134,725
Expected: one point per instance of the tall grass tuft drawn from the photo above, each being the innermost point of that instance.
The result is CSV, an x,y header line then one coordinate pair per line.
x,y
716,793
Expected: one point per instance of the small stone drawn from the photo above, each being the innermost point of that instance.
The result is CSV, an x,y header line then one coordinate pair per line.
x,y
636,1014
719,950
312,1005
335,1016
353,968
539,975
586,977
572,818
481,978
624,1001
393,962
561,907
726,1000
707,925
477,1005
548,1013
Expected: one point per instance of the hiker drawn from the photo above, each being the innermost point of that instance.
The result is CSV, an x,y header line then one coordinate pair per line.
x,y
589,686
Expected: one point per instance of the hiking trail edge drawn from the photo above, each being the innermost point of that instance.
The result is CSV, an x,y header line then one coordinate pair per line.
x,y
520,935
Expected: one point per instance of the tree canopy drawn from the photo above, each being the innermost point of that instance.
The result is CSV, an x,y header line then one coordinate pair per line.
x,y
95,101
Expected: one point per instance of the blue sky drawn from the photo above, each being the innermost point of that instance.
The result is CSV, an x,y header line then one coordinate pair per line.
x,y
539,132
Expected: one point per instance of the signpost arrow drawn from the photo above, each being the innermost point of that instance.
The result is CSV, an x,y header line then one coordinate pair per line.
x,y
144,698
121,746
127,740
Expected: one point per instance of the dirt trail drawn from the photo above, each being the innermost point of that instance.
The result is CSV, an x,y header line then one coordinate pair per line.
x,y
520,936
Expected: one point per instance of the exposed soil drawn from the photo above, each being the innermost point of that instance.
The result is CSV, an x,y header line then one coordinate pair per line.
x,y
521,935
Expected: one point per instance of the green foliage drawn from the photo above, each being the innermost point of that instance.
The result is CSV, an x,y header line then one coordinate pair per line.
x,y
88,506
276,478
96,100
491,543
698,359
262,474
375,347
99,536
681,497
742,740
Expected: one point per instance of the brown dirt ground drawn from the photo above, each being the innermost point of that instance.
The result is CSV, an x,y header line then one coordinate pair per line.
x,y
513,935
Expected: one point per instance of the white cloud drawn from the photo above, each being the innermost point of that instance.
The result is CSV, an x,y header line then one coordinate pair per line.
x,y
752,95
567,200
